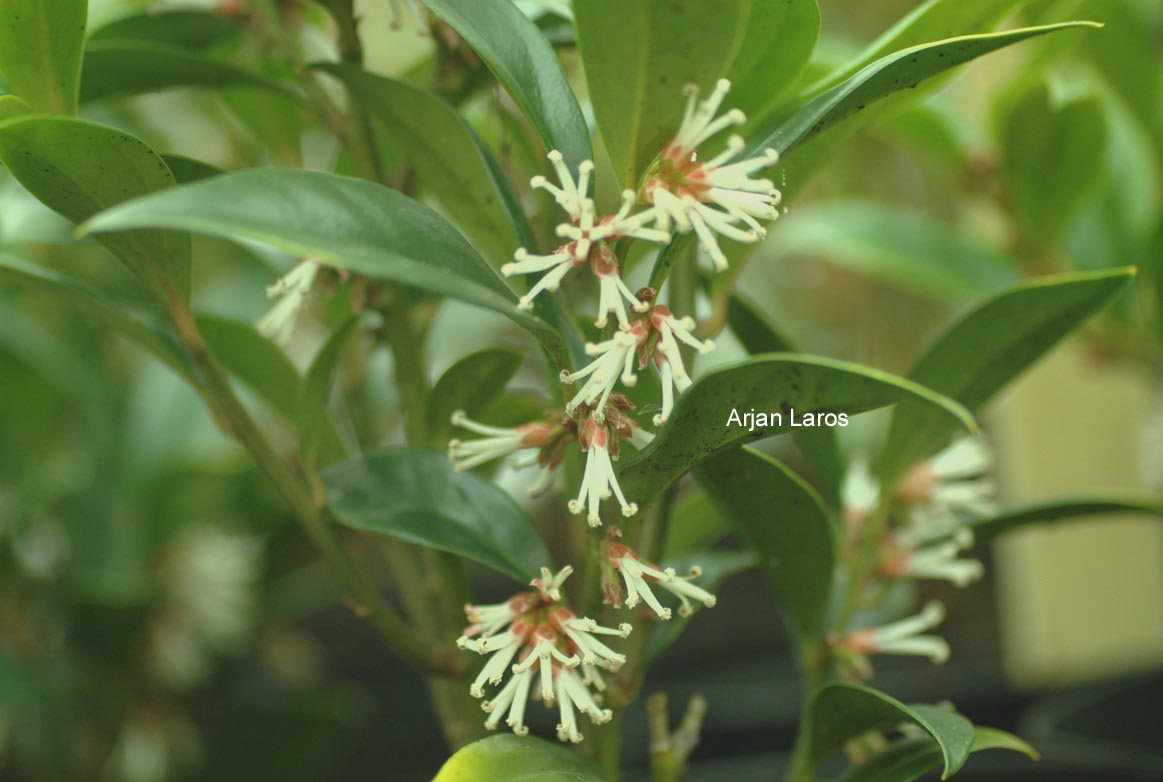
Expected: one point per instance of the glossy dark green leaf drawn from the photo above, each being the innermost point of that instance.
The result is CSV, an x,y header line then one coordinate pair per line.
x,y
1053,160
843,711
417,497
254,360
778,40
40,51
518,759
786,522
315,429
771,383
470,384
451,161
910,759
523,61
717,566
347,223
1067,509
189,29
637,58
78,168
103,311
136,67
991,346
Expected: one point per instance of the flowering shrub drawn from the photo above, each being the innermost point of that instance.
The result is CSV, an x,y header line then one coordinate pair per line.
x,y
699,108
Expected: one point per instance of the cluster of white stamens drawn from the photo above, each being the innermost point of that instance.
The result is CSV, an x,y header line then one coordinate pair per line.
x,y
599,481
291,292
639,579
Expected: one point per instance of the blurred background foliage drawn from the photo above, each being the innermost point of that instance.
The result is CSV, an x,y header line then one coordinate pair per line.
x,y
161,619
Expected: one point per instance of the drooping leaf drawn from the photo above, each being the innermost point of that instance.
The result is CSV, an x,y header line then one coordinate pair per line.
x,y
1067,509
776,383
470,384
254,360
523,61
637,58
40,51
313,393
777,43
787,523
417,497
347,223
136,67
78,168
451,160
842,711
989,347
189,29
518,759
910,759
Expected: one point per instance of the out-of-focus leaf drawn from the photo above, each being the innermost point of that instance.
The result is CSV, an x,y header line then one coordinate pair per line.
x,y
518,759
1053,160
314,392
40,51
254,360
786,522
902,248
187,169
842,711
716,566
12,106
470,384
772,383
637,58
451,160
1071,509
347,223
910,759
989,347
189,29
778,39
78,168
136,67
696,524
523,61
417,497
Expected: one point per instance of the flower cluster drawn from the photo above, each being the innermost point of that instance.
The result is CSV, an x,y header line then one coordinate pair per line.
x,y
290,295
551,646
637,579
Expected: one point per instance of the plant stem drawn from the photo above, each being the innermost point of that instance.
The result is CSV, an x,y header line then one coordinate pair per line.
x,y
607,740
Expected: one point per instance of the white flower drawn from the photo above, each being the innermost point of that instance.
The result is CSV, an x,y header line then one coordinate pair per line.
x,y
614,294
668,356
953,484
535,444
904,637
712,197
936,560
599,481
555,265
638,577
291,291
548,643
570,194
860,492
614,360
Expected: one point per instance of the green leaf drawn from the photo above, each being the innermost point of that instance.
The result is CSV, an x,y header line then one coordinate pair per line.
x,y
772,383
452,162
470,384
910,759
717,566
40,51
993,738
523,61
417,497
136,67
1054,160
898,71
518,759
347,223
185,28
254,360
314,393
104,312
637,58
787,523
12,106
991,346
187,169
78,168
906,249
843,711
1070,509
778,40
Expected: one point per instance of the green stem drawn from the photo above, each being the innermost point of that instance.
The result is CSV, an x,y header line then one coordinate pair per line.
x,y
607,741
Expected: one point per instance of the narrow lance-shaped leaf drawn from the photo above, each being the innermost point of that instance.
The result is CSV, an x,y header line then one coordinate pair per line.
x,y
991,346
910,759
638,56
778,41
787,523
417,497
347,223
317,437
40,51
523,61
778,384
78,168
189,29
1066,509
